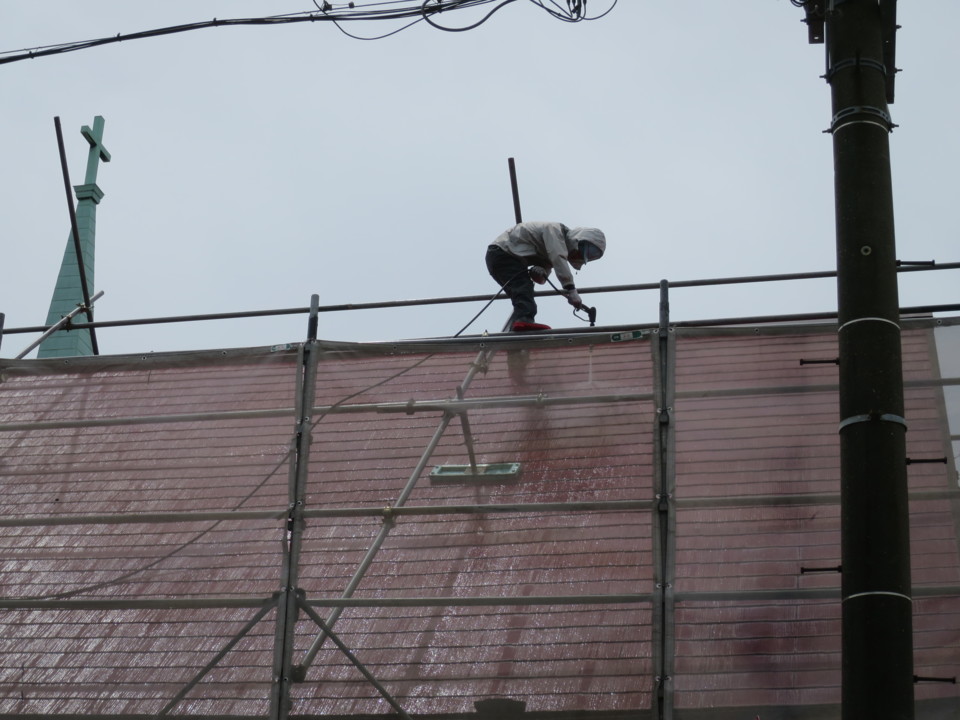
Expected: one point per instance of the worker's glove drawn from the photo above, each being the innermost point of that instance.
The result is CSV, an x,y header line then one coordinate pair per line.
x,y
537,274
573,297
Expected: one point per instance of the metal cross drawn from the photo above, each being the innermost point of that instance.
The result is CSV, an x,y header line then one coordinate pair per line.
x,y
97,150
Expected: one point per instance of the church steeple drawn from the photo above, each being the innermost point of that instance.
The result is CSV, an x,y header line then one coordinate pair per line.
x,y
69,290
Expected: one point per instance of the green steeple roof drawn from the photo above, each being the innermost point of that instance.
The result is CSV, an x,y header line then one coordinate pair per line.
x,y
69,290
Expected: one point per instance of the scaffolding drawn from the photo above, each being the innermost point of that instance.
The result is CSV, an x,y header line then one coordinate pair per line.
x,y
257,532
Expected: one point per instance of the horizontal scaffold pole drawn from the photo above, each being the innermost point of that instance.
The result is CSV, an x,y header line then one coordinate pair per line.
x,y
765,596
446,406
783,277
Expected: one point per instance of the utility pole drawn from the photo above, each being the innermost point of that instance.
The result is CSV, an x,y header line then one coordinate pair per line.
x,y
877,636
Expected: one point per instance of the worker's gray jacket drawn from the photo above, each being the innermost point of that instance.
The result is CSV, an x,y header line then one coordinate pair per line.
x,y
547,244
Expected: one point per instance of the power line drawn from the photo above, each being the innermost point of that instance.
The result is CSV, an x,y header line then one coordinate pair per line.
x,y
414,10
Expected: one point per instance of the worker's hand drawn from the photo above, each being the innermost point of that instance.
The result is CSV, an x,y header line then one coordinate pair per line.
x,y
573,297
537,274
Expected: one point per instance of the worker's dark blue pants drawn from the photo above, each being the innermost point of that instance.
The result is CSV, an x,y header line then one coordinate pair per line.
x,y
511,272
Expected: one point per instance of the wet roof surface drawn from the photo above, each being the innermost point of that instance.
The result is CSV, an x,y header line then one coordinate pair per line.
x,y
145,525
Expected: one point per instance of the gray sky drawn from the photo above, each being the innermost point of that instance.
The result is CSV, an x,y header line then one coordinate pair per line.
x,y
254,166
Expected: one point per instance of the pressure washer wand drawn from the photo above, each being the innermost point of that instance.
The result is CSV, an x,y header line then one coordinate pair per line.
x,y
590,311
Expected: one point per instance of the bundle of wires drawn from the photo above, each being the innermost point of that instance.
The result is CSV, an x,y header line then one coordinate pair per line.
x,y
413,10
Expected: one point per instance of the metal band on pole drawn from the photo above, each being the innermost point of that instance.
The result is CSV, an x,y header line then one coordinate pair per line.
x,y
885,417
867,319
862,595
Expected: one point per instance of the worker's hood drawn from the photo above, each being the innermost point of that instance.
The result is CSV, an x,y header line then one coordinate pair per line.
x,y
591,235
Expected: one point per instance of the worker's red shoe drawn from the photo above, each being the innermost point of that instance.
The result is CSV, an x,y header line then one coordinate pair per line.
x,y
521,326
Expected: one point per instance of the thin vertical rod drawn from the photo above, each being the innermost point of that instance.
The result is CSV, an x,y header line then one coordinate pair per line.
x,y
515,190
288,604
877,634
75,233
314,322
664,512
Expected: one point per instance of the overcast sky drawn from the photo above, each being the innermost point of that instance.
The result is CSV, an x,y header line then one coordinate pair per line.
x,y
254,166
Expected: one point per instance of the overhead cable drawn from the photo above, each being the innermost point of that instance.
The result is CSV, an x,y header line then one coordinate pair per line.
x,y
414,10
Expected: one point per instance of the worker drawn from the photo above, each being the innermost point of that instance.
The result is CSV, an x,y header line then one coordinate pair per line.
x,y
527,252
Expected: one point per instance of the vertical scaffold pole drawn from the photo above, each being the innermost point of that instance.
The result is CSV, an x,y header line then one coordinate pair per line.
x,y
877,635
664,513
288,601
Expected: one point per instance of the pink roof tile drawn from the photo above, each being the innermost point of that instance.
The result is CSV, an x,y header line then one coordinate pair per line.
x,y
144,503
